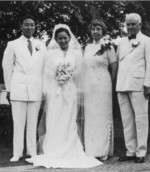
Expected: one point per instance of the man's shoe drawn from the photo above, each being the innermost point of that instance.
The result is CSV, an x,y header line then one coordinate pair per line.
x,y
139,159
14,159
126,158
28,156
104,158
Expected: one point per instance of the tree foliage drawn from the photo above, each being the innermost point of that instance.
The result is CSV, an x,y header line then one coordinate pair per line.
x,y
77,14
142,8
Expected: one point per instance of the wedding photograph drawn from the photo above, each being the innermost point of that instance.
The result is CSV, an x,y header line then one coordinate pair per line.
x,y
75,86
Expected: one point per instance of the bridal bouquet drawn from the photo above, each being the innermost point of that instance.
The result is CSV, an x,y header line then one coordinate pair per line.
x,y
105,45
64,73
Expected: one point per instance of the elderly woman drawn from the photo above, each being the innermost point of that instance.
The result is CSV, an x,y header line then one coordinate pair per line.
x,y
98,131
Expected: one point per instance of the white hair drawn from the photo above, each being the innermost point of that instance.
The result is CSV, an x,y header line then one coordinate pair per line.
x,y
134,16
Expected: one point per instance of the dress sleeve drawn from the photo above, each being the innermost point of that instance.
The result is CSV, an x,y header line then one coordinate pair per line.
x,y
111,55
7,64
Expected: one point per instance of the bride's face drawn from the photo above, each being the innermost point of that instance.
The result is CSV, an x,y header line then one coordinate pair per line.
x,y
63,40
96,32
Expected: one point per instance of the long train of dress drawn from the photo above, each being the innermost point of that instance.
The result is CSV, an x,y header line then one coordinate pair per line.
x,y
62,147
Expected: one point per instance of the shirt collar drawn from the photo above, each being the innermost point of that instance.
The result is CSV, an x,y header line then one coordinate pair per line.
x,y
138,34
97,43
26,39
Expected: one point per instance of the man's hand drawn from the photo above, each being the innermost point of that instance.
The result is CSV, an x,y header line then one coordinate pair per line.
x,y
8,97
147,92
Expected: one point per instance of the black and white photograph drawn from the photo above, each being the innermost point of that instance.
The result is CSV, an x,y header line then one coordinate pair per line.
x,y
75,86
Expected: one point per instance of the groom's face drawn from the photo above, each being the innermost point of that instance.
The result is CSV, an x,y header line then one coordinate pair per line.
x,y
28,27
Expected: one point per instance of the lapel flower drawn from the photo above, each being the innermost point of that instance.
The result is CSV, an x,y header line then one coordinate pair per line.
x,y
106,44
135,43
37,47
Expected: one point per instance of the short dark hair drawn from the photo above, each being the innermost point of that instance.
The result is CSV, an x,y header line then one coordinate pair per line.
x,y
98,22
26,17
61,30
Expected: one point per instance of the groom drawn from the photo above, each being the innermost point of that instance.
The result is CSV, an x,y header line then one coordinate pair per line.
x,y
23,65
133,87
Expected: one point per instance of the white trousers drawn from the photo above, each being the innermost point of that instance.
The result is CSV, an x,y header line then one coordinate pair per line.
x,y
25,113
134,113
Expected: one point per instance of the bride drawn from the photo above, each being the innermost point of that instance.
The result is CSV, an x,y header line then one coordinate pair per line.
x,y
61,145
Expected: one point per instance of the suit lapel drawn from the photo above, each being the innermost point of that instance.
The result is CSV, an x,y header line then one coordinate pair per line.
x,y
128,48
35,54
23,49
21,46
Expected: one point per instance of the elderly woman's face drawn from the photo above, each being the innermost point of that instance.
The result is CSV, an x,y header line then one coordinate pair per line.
x,y
96,32
133,26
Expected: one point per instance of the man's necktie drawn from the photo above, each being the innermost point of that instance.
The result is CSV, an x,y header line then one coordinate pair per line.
x,y
30,46
132,37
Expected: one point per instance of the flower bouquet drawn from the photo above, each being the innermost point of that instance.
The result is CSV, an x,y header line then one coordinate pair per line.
x,y
64,73
106,44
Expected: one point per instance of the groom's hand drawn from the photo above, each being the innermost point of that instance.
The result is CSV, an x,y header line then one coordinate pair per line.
x,y
8,97
147,92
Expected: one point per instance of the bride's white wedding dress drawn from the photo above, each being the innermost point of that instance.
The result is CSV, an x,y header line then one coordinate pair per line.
x,y
62,146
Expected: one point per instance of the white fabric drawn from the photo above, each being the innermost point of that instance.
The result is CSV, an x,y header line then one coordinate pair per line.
x,y
134,110
98,102
134,64
22,112
23,72
133,75
73,44
62,147
23,79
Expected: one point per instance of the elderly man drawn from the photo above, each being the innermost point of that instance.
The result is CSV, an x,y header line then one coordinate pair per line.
x,y
23,65
133,87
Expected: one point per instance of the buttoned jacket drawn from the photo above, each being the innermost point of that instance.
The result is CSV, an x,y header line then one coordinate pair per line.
x,y
23,71
134,63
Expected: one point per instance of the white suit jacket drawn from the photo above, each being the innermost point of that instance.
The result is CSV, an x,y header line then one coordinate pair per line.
x,y
134,63
23,72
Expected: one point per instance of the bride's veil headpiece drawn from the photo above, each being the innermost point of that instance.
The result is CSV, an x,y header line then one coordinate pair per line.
x,y
73,41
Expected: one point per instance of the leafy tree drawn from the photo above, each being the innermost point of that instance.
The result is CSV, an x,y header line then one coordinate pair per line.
x,y
77,14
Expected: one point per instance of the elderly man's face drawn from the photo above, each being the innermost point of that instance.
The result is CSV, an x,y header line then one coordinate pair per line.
x,y
133,26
